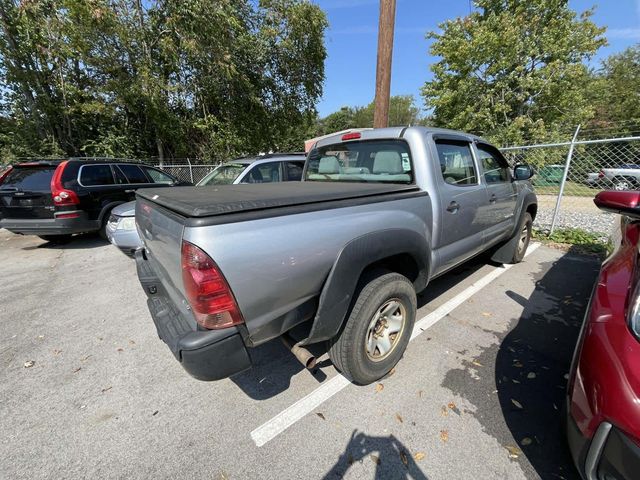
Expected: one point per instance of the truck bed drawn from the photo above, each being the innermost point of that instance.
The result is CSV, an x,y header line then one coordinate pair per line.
x,y
222,200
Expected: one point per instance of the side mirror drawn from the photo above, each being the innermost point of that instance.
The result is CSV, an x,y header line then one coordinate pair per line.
x,y
624,203
522,172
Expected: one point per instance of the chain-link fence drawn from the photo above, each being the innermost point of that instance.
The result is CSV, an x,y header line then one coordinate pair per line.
x,y
187,171
569,174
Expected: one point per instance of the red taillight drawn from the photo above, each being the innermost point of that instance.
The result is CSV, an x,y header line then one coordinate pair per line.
x,y
62,196
4,174
207,290
351,136
601,174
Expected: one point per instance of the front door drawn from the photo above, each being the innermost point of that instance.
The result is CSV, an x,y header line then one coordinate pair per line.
x,y
463,199
501,190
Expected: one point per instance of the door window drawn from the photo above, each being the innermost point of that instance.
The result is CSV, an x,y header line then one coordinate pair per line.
x,y
495,167
456,163
294,171
265,173
133,173
94,175
159,177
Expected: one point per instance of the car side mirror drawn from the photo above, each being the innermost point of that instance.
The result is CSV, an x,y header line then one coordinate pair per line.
x,y
523,172
624,203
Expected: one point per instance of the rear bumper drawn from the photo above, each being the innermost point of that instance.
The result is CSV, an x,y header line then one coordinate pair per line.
x,y
205,354
50,226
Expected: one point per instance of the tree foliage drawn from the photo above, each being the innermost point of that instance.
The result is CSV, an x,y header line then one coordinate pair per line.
x,y
166,78
402,111
513,70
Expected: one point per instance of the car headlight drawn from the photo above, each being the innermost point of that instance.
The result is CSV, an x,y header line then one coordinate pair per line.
x,y
127,223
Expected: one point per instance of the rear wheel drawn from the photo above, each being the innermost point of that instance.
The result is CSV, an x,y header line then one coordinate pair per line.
x,y
377,331
57,239
623,183
103,225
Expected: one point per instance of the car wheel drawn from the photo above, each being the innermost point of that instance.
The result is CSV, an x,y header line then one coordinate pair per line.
x,y
377,330
56,239
622,184
524,237
103,225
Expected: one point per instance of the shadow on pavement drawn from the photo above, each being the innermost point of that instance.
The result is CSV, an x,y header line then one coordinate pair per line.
x,y
392,459
82,241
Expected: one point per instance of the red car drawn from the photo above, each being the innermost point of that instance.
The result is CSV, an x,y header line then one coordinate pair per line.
x,y
603,397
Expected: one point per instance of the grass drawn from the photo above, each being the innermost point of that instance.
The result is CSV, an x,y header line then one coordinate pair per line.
x,y
576,239
570,188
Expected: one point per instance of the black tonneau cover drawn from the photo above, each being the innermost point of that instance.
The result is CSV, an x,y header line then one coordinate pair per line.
x,y
216,200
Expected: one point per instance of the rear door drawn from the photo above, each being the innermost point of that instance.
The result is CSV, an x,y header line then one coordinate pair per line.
x,y
501,190
26,192
101,187
463,203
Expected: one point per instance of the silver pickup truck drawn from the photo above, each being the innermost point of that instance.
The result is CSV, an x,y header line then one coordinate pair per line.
x,y
340,256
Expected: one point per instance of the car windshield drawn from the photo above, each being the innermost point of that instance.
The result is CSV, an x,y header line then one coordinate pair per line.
x,y
373,161
223,175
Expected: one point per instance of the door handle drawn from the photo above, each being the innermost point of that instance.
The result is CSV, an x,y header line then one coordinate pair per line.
x,y
493,198
453,207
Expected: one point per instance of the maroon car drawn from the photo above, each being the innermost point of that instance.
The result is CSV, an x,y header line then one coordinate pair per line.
x,y
603,401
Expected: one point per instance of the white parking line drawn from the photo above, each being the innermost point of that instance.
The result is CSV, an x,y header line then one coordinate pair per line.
x,y
278,424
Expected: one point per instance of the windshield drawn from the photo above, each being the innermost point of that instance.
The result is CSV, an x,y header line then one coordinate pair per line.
x,y
223,175
373,161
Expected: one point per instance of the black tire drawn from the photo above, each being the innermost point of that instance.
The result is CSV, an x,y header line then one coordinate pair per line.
x,y
103,225
524,238
623,183
56,239
349,351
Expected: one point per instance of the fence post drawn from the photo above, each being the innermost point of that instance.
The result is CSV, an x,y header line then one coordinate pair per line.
x,y
190,169
564,179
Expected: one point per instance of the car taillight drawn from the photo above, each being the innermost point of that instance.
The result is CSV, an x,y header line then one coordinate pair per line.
x,y
62,196
601,174
207,290
4,174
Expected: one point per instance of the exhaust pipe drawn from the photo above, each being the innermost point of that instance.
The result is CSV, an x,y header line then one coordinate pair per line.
x,y
304,356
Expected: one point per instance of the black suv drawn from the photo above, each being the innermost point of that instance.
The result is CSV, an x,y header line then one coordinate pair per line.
x,y
57,198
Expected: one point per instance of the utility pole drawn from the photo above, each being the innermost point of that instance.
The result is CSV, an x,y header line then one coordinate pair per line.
x,y
383,69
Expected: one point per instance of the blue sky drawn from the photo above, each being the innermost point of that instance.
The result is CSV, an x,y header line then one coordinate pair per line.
x,y
352,43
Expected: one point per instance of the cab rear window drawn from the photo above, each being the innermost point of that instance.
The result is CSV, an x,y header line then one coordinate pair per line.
x,y
32,178
372,161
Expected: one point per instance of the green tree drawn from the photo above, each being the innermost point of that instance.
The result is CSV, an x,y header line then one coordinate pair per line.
x,y
615,92
513,70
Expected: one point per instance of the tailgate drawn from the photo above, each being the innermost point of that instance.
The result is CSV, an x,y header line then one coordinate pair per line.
x,y
26,192
161,233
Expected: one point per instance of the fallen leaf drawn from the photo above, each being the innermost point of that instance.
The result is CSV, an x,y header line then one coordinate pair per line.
x,y
516,403
444,435
403,458
514,452
399,418
120,349
376,459
391,372
418,456
29,363
77,370
40,337
477,364
486,314
320,415
379,387
154,413
454,408
57,352
131,342
525,441
106,389
531,375
444,411
86,358
420,393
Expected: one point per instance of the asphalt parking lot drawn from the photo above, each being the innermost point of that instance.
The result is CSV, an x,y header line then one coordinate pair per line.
x,y
477,395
